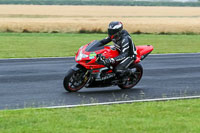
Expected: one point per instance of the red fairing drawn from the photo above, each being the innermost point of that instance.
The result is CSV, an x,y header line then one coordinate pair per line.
x,y
88,58
143,50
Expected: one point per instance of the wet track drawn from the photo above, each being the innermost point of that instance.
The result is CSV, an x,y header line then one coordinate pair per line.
x,y
38,82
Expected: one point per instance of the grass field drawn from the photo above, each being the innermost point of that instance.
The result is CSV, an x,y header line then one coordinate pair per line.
x,y
152,117
25,45
37,18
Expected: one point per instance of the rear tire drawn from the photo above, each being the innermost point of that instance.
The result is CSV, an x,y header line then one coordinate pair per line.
x,y
74,80
133,78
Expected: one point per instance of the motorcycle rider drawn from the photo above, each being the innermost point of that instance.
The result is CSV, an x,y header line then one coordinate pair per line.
x,y
124,44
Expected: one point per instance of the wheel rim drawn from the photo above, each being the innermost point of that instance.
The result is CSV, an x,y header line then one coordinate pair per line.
x,y
134,78
77,81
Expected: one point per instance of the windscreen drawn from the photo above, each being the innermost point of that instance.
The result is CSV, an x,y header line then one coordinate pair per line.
x,y
94,46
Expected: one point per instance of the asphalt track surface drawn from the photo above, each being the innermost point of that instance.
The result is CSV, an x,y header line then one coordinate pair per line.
x,y
28,83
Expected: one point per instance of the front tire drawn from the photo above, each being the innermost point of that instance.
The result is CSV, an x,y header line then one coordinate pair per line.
x,y
134,78
75,80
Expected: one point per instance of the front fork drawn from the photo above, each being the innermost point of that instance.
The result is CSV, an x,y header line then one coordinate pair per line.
x,y
88,77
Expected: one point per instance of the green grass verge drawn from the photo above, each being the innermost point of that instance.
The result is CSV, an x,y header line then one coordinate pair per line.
x,y
29,45
153,117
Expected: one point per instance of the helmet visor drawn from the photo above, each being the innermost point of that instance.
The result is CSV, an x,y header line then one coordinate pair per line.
x,y
112,31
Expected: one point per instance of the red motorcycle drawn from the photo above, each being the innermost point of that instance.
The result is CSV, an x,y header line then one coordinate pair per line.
x,y
89,73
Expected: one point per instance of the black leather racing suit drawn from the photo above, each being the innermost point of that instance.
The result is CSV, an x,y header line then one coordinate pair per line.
x,y
126,48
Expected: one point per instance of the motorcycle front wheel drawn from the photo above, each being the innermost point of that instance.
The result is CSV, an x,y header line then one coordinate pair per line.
x,y
75,80
134,78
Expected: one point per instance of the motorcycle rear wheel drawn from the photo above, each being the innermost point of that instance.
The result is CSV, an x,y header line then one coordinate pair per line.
x,y
133,78
74,80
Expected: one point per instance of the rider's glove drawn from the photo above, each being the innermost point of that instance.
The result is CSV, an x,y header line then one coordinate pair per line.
x,y
109,61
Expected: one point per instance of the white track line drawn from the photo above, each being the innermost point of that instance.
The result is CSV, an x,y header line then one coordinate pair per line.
x,y
123,102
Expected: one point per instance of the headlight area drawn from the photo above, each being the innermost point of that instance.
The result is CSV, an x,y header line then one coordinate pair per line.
x,y
81,55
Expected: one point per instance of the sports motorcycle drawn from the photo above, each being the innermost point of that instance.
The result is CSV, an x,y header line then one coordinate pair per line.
x,y
90,73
